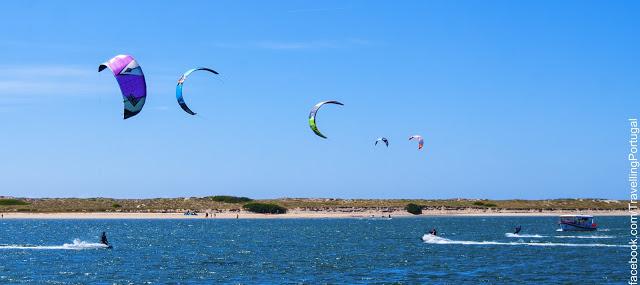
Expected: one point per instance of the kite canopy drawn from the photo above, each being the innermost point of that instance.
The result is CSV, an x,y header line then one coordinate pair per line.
x,y
131,80
420,140
312,116
183,105
384,140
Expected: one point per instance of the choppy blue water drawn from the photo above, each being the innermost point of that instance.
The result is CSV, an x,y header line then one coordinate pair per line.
x,y
354,251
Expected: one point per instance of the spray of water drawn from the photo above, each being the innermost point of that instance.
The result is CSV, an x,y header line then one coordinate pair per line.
x,y
76,245
431,239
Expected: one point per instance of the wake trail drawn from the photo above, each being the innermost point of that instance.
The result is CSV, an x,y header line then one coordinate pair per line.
x,y
523,235
76,245
512,235
431,239
583,237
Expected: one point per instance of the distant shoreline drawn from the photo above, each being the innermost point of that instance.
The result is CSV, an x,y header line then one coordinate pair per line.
x,y
301,215
230,207
236,204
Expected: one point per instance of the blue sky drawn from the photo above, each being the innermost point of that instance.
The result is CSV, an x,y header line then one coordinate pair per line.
x,y
515,99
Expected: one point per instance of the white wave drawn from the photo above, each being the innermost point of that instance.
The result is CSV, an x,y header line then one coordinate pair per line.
x,y
76,245
512,235
593,236
599,230
431,239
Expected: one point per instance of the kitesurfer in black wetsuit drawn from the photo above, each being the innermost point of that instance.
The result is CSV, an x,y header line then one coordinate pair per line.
x,y
518,228
433,232
103,239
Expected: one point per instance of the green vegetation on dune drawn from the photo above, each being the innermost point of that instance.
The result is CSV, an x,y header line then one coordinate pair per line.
x,y
12,202
480,203
413,209
229,199
264,208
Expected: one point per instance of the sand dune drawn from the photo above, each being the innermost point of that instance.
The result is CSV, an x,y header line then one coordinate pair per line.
x,y
294,214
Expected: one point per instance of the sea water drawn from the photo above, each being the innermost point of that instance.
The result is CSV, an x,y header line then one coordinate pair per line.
x,y
467,250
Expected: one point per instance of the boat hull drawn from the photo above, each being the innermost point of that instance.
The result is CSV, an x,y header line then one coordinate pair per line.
x,y
576,228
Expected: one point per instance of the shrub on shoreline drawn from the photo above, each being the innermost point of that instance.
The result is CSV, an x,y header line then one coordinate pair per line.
x,y
413,209
230,199
264,208
489,205
12,202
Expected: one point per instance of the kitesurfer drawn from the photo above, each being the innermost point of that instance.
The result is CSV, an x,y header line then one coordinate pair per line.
x,y
433,232
518,228
103,239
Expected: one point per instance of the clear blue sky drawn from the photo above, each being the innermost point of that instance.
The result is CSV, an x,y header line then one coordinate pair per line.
x,y
515,99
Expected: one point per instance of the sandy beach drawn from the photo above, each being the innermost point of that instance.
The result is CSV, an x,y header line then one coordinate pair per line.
x,y
297,214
